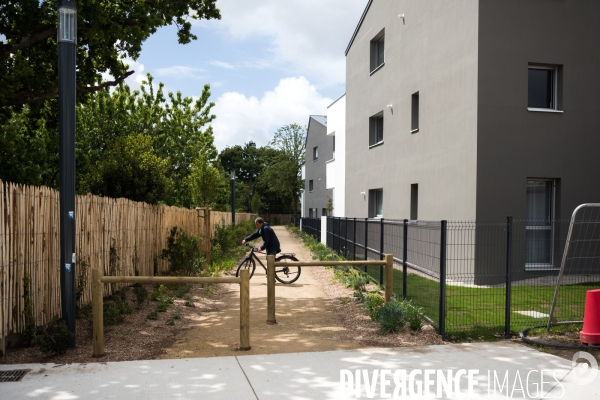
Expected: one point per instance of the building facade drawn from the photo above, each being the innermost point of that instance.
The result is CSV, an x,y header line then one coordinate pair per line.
x,y
319,150
336,167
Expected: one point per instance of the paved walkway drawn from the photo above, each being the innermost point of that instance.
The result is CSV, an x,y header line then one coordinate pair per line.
x,y
300,376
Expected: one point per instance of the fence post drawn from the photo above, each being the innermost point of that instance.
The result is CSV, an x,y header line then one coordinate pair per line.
x,y
381,252
389,277
346,238
509,224
442,311
245,310
271,290
404,257
97,312
354,242
366,241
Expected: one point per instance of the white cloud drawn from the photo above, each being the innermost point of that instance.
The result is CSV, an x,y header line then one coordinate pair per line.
x,y
309,37
135,80
179,71
241,119
221,64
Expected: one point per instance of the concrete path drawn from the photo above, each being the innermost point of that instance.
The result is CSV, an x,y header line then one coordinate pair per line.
x,y
504,371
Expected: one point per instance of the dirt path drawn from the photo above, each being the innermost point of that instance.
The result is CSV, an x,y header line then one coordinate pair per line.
x,y
306,320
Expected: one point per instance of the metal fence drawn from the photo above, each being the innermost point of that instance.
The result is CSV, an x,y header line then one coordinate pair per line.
x,y
477,277
312,226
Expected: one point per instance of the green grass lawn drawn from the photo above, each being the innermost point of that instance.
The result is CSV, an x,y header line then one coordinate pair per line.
x,y
481,310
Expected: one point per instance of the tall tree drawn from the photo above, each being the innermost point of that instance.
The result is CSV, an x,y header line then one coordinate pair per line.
x,y
206,182
107,31
284,175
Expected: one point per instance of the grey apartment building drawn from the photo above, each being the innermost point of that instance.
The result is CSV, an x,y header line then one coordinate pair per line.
x,y
473,109
319,150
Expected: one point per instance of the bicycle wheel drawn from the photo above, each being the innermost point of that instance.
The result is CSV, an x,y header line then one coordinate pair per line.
x,y
248,264
286,274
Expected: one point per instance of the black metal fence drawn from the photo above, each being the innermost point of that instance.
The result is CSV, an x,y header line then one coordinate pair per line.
x,y
477,277
312,226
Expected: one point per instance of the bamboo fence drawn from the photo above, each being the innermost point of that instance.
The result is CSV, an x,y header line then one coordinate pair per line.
x,y
133,234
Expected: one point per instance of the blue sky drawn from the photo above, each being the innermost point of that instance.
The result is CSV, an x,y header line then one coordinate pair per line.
x,y
269,62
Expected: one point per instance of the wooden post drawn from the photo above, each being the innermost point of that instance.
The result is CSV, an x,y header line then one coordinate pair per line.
x,y
98,312
208,234
200,228
245,310
389,277
271,290
2,346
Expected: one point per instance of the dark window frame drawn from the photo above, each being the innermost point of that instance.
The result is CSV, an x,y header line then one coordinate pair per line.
x,y
376,129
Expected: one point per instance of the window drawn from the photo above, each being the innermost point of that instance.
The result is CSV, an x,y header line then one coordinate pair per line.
x,y
315,153
310,213
333,148
324,212
414,125
310,185
376,203
378,51
376,129
540,225
543,88
414,201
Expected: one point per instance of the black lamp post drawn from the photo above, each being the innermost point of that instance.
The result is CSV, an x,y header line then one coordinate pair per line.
x,y
67,43
233,196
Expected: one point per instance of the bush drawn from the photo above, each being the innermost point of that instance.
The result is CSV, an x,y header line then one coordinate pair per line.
x,y
182,253
414,316
391,317
373,302
159,291
153,315
228,238
112,314
53,338
141,293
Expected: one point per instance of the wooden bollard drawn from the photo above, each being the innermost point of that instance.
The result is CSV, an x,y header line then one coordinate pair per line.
x,y
244,310
271,290
389,277
98,312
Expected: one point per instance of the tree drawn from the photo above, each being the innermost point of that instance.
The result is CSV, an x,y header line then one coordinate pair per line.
x,y
329,206
131,169
175,128
284,175
256,203
107,31
207,183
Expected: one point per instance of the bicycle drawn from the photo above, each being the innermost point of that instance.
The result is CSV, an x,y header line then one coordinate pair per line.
x,y
284,275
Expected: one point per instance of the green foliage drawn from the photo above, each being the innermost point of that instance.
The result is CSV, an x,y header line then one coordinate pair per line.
x,y
130,168
162,307
373,301
329,206
152,315
53,338
256,203
391,317
141,293
183,253
189,302
176,316
414,316
112,313
158,292
179,290
206,182
228,238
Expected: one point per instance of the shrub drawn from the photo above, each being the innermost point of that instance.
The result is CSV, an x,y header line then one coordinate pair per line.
x,y
228,238
153,315
162,307
182,253
391,317
141,293
53,338
112,314
373,302
124,307
159,291
414,316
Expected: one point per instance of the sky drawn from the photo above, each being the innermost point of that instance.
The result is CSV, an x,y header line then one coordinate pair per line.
x,y
270,63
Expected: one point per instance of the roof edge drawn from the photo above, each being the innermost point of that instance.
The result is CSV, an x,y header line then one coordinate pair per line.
x,y
362,18
336,100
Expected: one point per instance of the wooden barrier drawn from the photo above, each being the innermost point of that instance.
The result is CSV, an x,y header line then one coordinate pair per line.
x,y
388,262
98,280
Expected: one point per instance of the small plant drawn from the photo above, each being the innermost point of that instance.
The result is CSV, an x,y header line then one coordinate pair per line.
x,y
112,314
391,317
183,253
344,300
414,316
176,316
162,307
159,291
170,321
53,338
141,293
189,302
122,293
124,307
153,315
180,290
373,302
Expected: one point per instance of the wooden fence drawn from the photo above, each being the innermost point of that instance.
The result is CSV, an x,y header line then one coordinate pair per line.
x,y
131,234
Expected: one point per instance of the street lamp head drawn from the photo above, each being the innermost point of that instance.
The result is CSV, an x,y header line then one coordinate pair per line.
x,y
67,22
